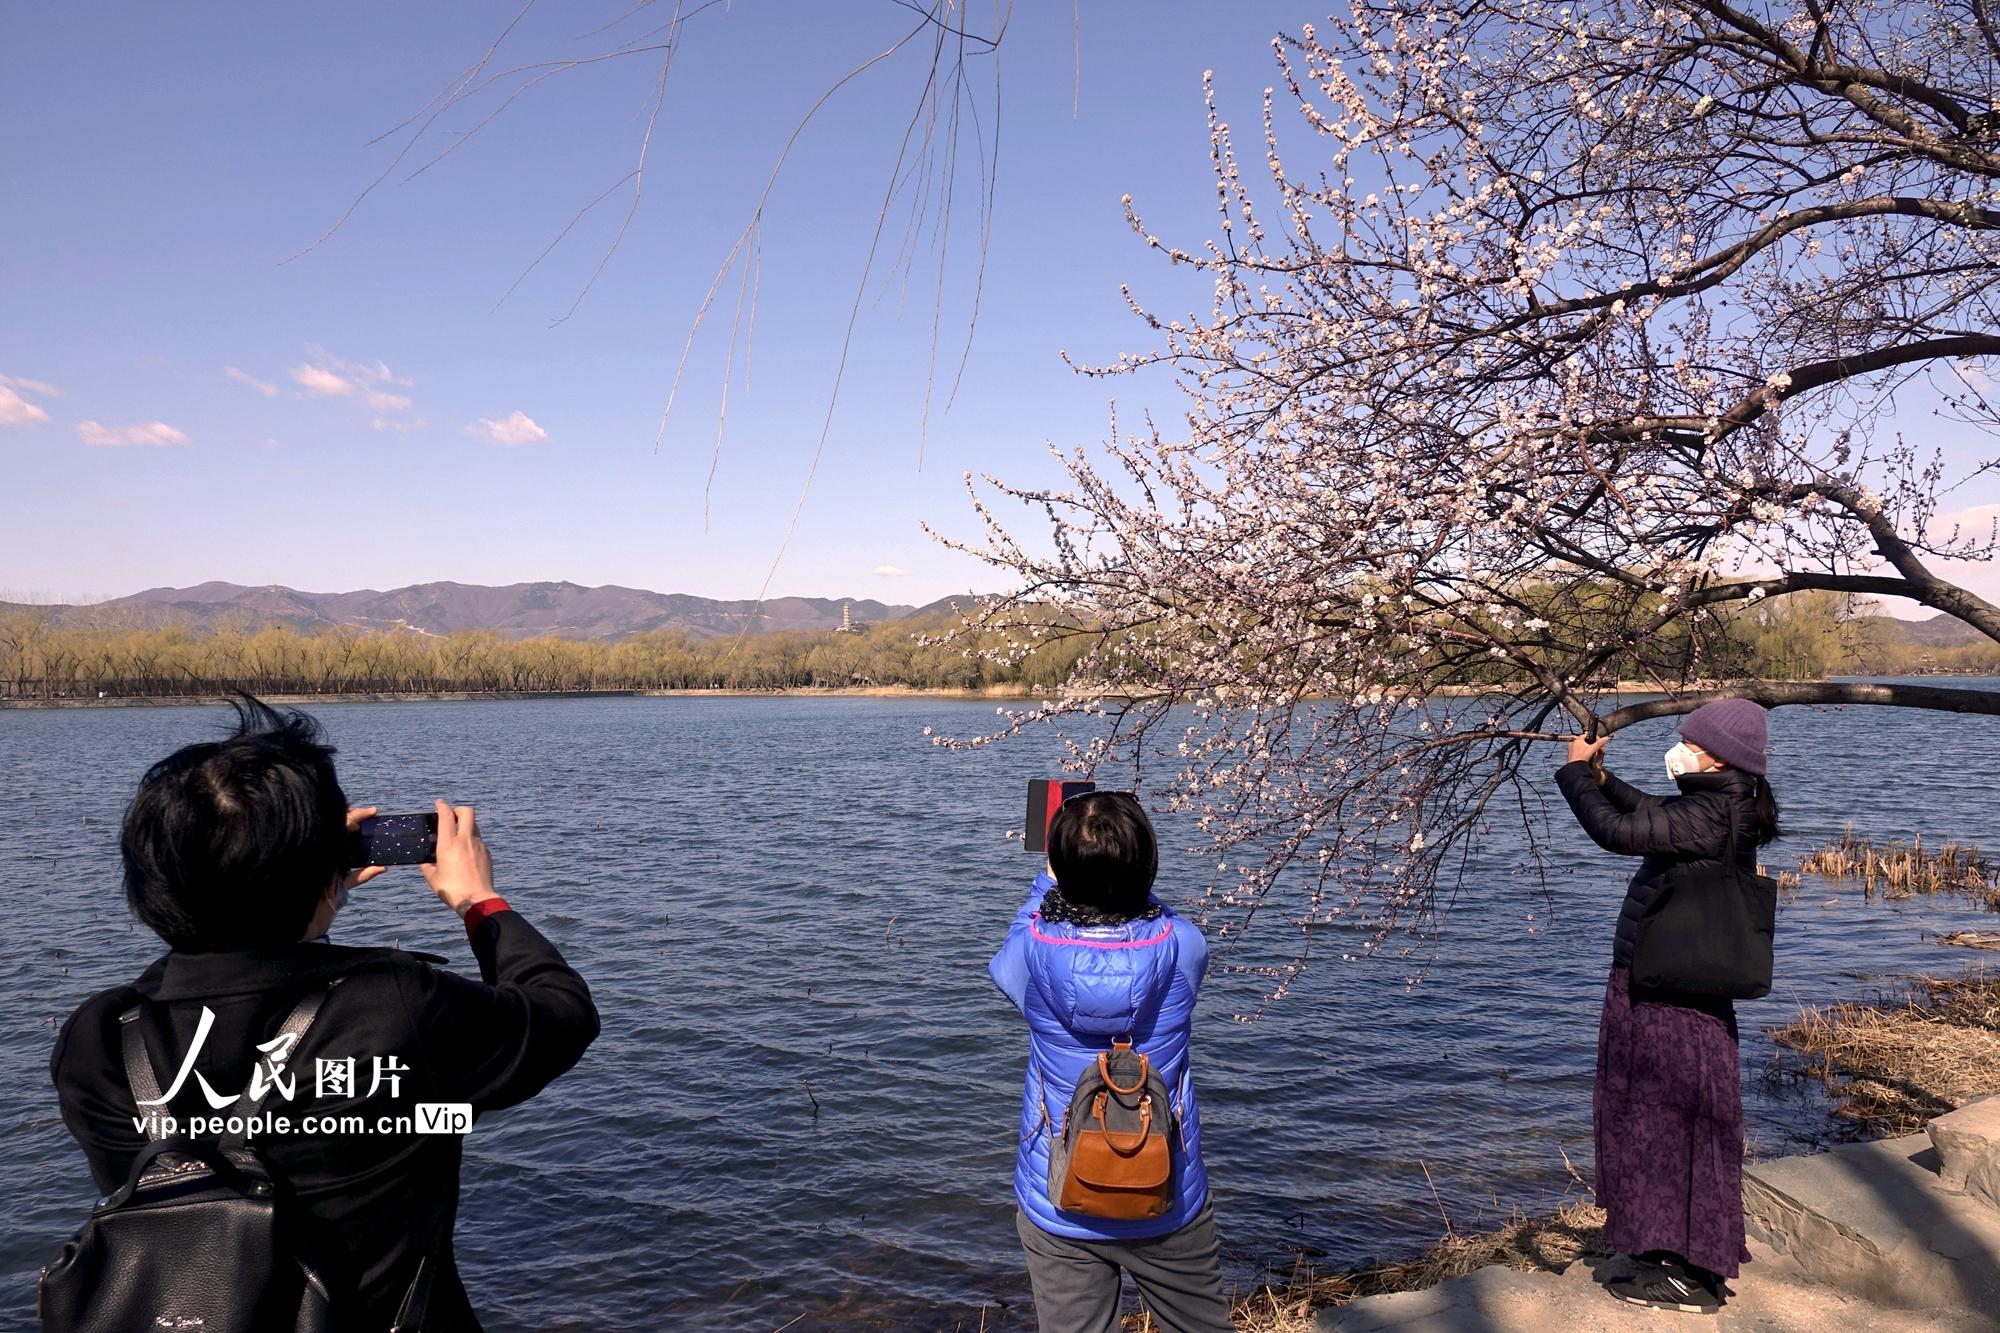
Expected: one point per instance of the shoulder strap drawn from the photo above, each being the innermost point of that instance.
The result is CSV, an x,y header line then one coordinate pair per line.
x,y
413,1313
139,1069
295,1025
145,1082
1729,845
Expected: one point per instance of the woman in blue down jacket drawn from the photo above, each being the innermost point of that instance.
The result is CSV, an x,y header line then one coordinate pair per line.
x,y
1093,956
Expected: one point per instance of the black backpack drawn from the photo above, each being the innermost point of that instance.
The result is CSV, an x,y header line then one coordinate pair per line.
x,y
194,1240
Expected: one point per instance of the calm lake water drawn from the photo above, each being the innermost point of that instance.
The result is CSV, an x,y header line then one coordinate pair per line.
x,y
762,891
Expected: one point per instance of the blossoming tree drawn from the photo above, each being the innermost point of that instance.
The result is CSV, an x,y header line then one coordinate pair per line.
x,y
1566,334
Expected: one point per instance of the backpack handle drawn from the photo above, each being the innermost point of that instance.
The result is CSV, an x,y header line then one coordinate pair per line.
x,y
207,1152
1104,1070
1138,1137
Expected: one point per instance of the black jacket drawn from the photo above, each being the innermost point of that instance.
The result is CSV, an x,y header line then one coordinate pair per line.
x,y
1693,826
369,1204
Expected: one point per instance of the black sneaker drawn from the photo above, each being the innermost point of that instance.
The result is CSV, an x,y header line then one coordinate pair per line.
x,y
1720,1289
1667,1287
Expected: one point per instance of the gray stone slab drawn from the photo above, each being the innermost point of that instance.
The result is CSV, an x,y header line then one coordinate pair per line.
x,y
1772,1296
1968,1146
1493,1298
1871,1191
1397,1309
1874,1219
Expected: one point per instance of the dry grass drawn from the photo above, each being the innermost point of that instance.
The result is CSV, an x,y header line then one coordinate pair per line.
x,y
1894,1065
1287,1303
1898,870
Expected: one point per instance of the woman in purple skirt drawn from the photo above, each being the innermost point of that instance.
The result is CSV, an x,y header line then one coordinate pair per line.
x,y
1669,1098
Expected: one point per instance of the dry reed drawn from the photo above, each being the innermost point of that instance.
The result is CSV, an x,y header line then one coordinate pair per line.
x,y
1289,1302
1899,870
1894,1065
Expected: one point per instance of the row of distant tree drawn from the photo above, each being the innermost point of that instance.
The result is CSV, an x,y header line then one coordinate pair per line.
x,y
1804,637
1809,636
41,660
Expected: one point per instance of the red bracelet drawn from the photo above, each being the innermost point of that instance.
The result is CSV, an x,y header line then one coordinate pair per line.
x,y
482,909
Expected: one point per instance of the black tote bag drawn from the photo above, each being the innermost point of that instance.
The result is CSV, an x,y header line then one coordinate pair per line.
x,y
1709,930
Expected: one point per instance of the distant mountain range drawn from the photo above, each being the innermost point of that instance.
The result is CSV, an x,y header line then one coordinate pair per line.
x,y
518,610
572,611
1940,631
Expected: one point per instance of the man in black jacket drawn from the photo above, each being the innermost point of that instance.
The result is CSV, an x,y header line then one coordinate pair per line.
x,y
234,854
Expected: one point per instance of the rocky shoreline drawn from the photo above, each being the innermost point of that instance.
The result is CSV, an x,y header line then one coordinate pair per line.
x,y
1891,1234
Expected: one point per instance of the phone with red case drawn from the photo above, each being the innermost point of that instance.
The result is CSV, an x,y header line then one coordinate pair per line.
x,y
1045,797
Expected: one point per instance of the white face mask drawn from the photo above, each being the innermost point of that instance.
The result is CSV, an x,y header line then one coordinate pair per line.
x,y
1682,761
339,903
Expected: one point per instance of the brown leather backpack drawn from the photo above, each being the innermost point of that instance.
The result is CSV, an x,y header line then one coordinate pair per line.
x,y
1112,1156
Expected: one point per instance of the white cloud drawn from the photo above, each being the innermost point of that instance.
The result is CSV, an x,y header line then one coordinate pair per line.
x,y
242,376
1977,520
519,428
18,411
1969,526
324,375
1974,528
893,572
146,432
323,382
39,388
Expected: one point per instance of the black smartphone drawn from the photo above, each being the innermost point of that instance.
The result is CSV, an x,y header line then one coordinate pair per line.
x,y
394,840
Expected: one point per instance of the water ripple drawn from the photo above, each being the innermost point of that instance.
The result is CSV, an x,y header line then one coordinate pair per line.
x,y
768,892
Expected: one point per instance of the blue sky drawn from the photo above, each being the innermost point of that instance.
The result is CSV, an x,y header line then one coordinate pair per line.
x,y
364,416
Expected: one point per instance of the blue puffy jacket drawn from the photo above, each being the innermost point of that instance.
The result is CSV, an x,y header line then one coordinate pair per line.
x,y
1079,987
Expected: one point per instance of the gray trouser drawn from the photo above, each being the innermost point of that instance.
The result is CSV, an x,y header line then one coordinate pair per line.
x,y
1179,1275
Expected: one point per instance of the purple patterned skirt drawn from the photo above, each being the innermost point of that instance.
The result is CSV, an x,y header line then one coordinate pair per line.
x,y
1669,1113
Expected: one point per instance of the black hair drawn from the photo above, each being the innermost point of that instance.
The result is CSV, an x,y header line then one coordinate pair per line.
x,y
230,844
1767,812
1103,852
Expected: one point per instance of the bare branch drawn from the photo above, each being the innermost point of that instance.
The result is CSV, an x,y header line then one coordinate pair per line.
x,y
1778,694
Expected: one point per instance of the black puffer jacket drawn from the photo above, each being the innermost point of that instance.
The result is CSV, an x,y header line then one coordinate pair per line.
x,y
1665,830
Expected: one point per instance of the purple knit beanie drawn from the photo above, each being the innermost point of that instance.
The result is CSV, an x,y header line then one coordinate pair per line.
x,y
1730,729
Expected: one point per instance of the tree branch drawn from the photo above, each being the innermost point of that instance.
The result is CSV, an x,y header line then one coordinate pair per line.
x,y
1778,694
1963,603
